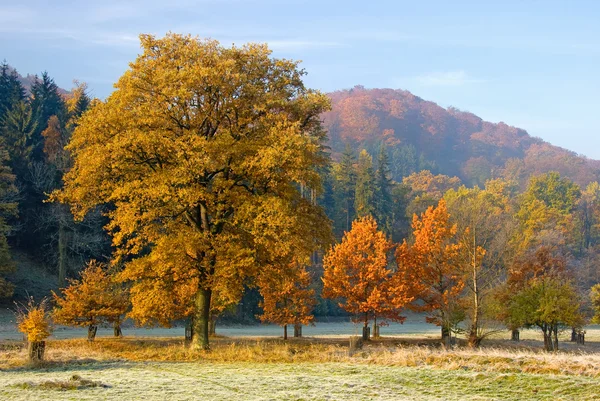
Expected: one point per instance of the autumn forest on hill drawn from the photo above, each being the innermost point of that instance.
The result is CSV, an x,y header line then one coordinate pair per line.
x,y
213,187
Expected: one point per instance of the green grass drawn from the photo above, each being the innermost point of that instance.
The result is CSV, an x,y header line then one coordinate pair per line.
x,y
275,381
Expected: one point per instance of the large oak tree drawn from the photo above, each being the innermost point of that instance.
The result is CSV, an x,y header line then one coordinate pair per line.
x,y
200,152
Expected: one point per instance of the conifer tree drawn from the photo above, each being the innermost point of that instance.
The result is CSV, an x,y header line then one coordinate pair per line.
x,y
11,90
383,192
364,201
345,187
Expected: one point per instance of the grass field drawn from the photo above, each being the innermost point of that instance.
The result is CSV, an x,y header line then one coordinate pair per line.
x,y
252,363
306,369
278,381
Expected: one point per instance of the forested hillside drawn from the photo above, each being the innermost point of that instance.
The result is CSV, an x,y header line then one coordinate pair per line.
x,y
419,134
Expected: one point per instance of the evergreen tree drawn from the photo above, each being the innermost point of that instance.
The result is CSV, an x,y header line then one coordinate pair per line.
x,y
11,89
383,192
345,187
364,201
19,125
8,208
45,102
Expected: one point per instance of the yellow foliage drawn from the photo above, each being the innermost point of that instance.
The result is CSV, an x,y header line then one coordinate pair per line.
x,y
93,300
200,150
33,321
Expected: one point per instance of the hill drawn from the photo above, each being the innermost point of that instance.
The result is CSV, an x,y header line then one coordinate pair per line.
x,y
421,134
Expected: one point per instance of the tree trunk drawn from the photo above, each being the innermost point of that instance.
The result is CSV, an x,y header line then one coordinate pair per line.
x,y
555,330
212,326
189,330
445,334
515,335
474,339
117,329
92,329
366,334
285,331
62,255
201,320
297,330
573,335
36,350
375,328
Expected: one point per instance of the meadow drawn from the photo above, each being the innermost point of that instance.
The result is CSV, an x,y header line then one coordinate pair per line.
x,y
253,363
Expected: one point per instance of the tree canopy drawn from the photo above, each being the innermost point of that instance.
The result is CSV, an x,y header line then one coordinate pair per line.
x,y
199,152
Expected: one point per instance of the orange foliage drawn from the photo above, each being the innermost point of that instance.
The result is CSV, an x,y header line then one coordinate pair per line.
x,y
430,267
287,298
357,271
93,300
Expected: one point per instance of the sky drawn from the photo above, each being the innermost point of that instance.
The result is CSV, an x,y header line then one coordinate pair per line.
x,y
531,64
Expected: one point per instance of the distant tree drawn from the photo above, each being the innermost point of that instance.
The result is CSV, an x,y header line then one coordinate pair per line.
x,y
595,300
538,287
345,186
426,189
589,216
8,210
287,297
93,300
364,200
357,272
46,101
404,161
547,208
430,268
11,90
19,125
485,226
550,303
384,187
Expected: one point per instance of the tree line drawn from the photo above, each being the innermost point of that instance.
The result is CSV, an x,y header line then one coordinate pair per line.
x,y
206,173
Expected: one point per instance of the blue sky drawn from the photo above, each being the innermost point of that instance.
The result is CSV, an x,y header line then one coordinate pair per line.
x,y
532,64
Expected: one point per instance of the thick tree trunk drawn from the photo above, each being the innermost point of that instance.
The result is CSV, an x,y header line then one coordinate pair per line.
x,y
445,334
474,340
201,320
555,331
92,329
573,335
285,331
515,335
117,329
62,255
297,330
36,350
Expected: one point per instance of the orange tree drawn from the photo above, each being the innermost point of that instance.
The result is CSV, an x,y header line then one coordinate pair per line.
x,y
91,301
200,152
356,271
430,268
287,296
